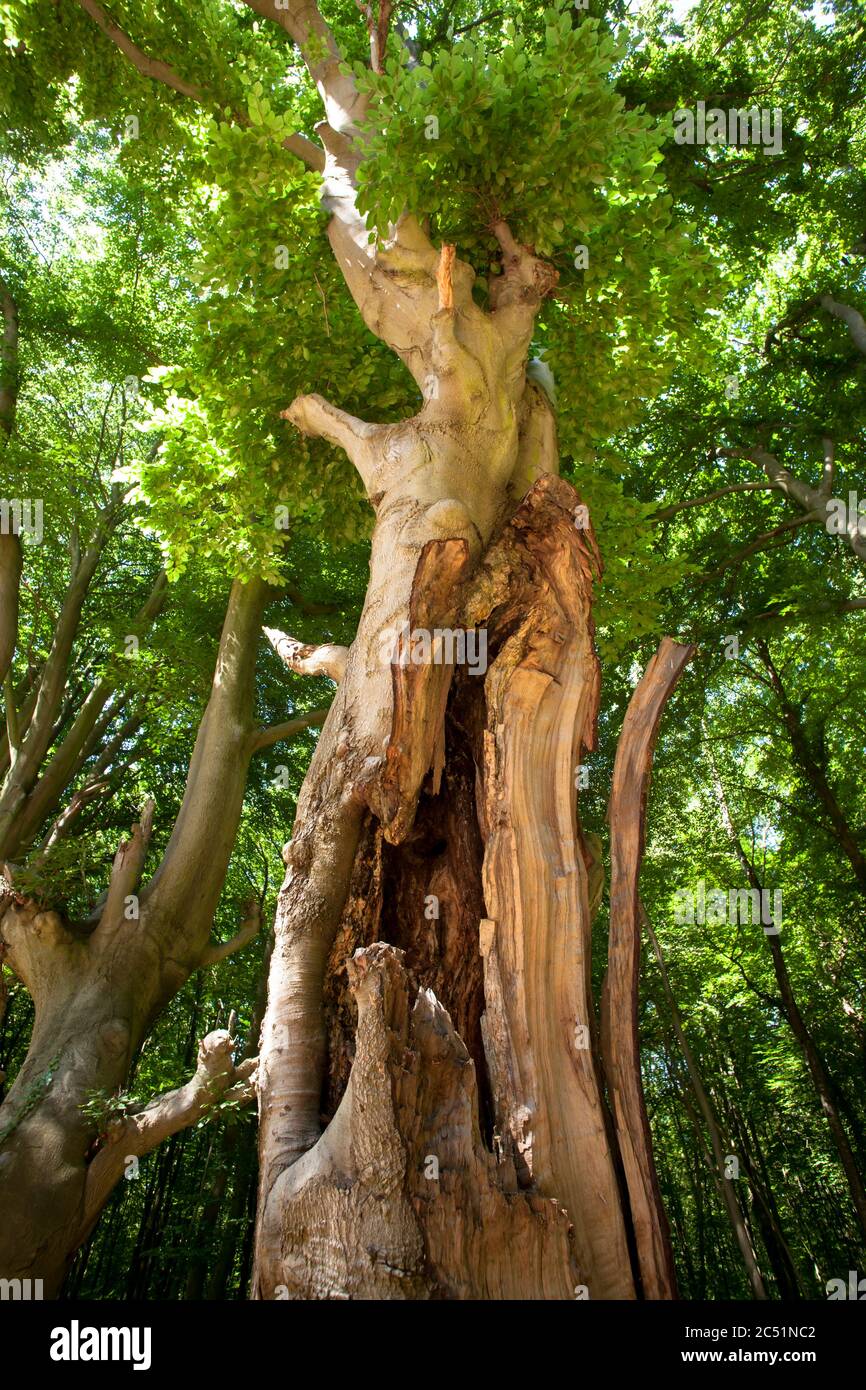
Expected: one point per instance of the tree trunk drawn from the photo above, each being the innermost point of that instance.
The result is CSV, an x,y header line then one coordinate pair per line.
x,y
97,987
473,531
470,1104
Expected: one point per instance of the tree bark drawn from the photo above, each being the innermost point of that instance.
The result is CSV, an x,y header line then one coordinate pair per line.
x,y
619,1005
473,530
97,986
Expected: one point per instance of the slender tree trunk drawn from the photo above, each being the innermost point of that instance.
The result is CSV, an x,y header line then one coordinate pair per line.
x,y
815,773
723,1183
821,1079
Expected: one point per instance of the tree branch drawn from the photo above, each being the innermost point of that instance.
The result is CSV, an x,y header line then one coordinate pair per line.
x,y
306,660
138,1133
302,21
315,416
306,150
250,928
127,867
277,733
620,993
666,512
148,67
850,316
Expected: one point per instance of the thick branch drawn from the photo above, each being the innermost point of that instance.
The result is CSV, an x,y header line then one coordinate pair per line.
x,y
850,316
127,867
215,1079
814,501
302,22
526,280
148,67
184,892
315,416
306,660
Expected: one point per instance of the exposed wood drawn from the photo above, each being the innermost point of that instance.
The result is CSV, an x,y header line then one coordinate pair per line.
x,y
399,1199
539,1028
420,688
619,1009
423,896
444,274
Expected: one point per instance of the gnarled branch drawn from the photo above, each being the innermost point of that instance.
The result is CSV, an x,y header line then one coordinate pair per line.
x,y
309,660
216,1078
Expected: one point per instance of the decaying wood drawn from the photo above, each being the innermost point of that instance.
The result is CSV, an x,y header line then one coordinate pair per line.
x,y
542,701
619,1013
423,896
400,1199
444,485
420,689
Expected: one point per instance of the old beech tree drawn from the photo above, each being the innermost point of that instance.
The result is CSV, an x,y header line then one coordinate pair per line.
x,y
438,1089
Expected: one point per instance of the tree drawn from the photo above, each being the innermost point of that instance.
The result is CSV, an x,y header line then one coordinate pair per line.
x,y
499,236
100,966
444,483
